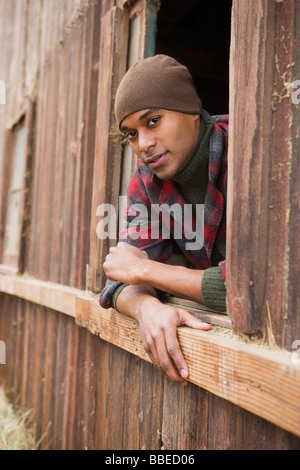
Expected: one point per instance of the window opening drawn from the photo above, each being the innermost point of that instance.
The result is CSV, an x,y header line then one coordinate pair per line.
x,y
197,34
13,224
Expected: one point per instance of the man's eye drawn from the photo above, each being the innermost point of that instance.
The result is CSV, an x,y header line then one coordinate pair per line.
x,y
129,136
153,121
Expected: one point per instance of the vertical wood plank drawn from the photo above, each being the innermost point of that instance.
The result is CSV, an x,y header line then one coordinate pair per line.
x,y
5,179
260,161
249,138
107,164
30,114
151,396
47,176
84,414
71,388
103,391
185,408
113,399
83,189
291,317
131,410
59,158
37,344
72,158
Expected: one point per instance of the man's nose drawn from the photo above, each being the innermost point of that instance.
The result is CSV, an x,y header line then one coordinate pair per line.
x,y
146,141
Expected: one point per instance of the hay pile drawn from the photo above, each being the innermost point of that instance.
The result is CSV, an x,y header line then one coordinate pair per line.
x,y
17,431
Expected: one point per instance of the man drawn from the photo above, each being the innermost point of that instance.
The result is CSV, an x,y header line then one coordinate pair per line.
x,y
182,154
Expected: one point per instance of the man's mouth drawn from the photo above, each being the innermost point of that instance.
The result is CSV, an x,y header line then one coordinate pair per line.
x,y
156,160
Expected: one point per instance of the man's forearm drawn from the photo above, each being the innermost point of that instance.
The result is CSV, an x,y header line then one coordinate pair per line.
x,y
176,280
129,265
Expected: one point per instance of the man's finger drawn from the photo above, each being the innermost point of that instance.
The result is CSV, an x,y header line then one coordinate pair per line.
x,y
175,353
165,350
193,322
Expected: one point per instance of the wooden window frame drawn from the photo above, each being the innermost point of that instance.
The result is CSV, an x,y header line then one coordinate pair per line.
x,y
16,262
109,153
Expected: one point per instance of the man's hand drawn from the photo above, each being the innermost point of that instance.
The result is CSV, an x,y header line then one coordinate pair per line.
x,y
159,337
158,329
124,263
158,322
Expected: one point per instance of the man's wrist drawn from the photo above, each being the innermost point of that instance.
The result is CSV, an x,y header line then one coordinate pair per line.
x,y
145,272
134,300
146,302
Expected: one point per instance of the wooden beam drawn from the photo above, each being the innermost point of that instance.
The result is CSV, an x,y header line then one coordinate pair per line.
x,y
47,294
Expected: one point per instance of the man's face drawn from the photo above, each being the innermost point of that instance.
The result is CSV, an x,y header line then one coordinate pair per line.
x,y
164,140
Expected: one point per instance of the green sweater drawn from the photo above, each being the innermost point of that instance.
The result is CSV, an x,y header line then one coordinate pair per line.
x,y
192,182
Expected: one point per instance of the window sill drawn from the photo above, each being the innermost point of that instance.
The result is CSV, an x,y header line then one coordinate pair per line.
x,y
262,380
200,311
6,269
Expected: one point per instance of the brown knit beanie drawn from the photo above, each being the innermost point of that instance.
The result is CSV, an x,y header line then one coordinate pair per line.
x,y
156,82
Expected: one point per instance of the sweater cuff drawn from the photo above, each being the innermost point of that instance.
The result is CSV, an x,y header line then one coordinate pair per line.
x,y
115,295
213,289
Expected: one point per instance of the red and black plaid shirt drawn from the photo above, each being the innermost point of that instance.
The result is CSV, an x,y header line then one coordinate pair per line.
x,y
146,189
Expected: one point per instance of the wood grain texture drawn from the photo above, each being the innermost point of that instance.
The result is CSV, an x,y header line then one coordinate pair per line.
x,y
44,293
263,209
64,144
263,381
107,163
90,394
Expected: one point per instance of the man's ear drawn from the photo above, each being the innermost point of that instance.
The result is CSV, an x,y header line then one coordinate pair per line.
x,y
197,120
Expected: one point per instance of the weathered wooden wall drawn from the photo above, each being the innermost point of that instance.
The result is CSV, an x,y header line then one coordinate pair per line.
x,y
64,152
54,47
92,394
97,396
